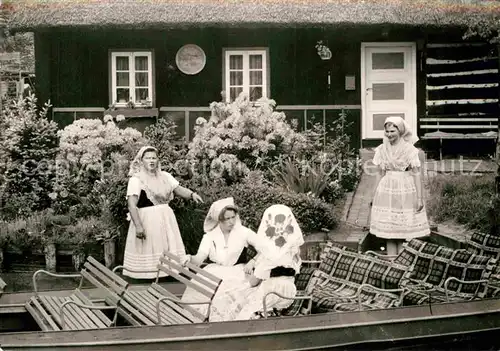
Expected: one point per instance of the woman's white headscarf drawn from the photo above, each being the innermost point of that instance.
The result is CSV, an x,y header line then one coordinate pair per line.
x,y
281,237
157,187
212,218
404,128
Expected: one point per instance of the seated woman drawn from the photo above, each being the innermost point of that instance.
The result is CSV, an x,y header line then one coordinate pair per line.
x,y
223,244
278,262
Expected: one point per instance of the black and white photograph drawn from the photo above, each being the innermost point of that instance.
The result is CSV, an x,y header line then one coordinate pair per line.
x,y
249,175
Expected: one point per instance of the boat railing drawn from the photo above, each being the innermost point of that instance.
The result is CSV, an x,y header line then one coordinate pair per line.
x,y
455,279
305,298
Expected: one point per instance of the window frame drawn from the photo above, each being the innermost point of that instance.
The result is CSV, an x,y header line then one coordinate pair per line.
x,y
131,53
246,52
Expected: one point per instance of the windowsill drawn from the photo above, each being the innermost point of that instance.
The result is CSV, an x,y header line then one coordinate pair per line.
x,y
133,112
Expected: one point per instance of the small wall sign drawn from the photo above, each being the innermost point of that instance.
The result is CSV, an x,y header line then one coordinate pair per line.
x,y
350,83
190,59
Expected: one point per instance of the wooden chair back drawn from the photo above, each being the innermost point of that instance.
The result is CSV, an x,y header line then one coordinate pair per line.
x,y
191,275
99,275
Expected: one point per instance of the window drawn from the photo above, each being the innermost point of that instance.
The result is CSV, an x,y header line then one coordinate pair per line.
x,y
246,71
132,78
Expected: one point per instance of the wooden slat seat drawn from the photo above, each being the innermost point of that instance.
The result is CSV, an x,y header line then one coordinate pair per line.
x,y
77,311
156,305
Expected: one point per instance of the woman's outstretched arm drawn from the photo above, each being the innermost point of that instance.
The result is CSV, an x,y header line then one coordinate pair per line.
x,y
187,194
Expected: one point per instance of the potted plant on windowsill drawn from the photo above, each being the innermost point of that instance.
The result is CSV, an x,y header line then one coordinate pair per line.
x,y
131,109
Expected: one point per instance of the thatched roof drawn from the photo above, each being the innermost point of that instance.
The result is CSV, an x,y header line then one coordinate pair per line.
x,y
43,14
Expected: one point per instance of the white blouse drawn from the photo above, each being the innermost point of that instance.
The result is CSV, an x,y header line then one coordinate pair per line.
x,y
135,185
214,247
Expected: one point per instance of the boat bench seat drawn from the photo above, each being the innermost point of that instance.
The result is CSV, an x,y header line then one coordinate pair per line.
x,y
487,245
348,280
77,311
438,274
157,306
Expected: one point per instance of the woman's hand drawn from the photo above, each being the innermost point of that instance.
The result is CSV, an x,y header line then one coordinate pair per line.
x,y
248,269
139,233
185,259
254,281
196,198
419,205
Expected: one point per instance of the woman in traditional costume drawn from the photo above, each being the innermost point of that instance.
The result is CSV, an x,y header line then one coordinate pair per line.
x,y
224,247
277,264
153,228
398,211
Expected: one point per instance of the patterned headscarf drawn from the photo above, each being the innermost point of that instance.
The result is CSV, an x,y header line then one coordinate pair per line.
x,y
404,128
282,236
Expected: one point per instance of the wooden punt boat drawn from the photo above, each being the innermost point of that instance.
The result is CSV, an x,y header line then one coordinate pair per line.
x,y
454,325
461,322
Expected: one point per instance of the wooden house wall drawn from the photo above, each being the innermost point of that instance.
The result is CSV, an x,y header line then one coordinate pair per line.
x,y
462,81
72,66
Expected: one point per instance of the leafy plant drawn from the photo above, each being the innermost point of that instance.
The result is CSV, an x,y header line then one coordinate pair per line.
x,y
301,177
28,145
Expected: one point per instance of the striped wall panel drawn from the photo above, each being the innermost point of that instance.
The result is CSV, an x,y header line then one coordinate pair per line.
x,y
462,85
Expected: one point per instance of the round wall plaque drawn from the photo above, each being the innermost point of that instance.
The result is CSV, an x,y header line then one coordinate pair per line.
x,y
190,59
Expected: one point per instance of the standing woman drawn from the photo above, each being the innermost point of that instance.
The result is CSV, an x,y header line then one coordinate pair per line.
x,y
398,211
153,228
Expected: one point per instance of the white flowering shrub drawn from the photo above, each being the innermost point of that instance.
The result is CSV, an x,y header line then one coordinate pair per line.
x,y
90,150
28,145
242,136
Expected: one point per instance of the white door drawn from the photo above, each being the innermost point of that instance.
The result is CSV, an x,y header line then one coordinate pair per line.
x,y
388,84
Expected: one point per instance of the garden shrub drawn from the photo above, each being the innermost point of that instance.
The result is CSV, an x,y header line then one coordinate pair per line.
x,y
36,230
28,145
90,150
253,195
172,149
464,199
327,169
242,136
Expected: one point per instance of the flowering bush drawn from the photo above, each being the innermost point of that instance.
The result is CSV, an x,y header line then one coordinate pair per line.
x,y
90,149
242,136
28,145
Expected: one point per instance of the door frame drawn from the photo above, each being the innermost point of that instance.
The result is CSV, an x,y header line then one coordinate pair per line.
x,y
413,86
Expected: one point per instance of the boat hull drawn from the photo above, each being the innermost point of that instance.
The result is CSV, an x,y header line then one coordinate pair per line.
x,y
376,329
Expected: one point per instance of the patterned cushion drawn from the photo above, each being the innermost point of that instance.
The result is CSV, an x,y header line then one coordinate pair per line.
x,y
303,277
430,265
296,307
485,245
345,264
329,293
